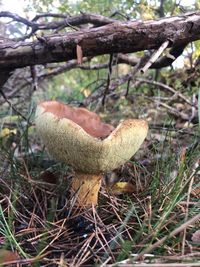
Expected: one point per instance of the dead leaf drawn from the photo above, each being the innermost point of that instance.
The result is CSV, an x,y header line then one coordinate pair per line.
x,y
122,188
6,256
86,92
196,237
196,192
79,54
5,132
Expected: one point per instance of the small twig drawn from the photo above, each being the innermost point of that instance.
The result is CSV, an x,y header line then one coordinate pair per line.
x,y
175,112
118,235
11,105
26,262
59,233
181,257
83,252
33,71
172,234
79,53
15,17
65,20
170,57
132,74
127,88
166,87
108,79
155,56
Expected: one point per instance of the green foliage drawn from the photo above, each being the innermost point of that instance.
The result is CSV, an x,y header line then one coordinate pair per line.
x,y
80,85
126,248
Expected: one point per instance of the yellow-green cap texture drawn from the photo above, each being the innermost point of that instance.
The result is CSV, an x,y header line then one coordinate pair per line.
x,y
67,142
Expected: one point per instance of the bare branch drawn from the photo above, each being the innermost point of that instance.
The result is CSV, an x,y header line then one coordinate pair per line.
x,y
66,21
167,88
83,18
15,17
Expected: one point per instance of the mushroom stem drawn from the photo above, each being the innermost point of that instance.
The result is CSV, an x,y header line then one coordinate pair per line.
x,y
87,188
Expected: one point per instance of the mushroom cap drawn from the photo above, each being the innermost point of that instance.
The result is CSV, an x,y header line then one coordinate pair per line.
x,y
88,120
68,142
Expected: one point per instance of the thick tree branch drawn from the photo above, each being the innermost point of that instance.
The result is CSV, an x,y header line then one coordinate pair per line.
x,y
116,37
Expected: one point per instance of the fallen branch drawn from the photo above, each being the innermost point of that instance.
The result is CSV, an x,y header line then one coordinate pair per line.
x,y
117,37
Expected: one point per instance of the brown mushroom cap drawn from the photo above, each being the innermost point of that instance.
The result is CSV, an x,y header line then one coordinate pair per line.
x,y
69,142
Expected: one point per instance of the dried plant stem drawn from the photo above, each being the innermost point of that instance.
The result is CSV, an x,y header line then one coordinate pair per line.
x,y
186,213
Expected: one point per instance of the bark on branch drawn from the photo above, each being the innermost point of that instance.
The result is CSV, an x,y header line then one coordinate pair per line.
x,y
117,37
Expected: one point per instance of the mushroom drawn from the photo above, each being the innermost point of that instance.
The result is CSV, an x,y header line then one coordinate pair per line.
x,y
78,138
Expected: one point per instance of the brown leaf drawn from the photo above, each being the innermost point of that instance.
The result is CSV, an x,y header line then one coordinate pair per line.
x,y
196,192
122,188
196,237
6,256
79,54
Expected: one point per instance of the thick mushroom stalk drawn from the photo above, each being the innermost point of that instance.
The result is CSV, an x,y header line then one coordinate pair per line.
x,y
87,186
78,138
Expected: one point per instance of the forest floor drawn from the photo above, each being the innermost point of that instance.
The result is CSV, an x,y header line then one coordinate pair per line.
x,y
148,210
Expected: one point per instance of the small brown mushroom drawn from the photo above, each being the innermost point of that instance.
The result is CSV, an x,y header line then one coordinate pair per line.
x,y
77,137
